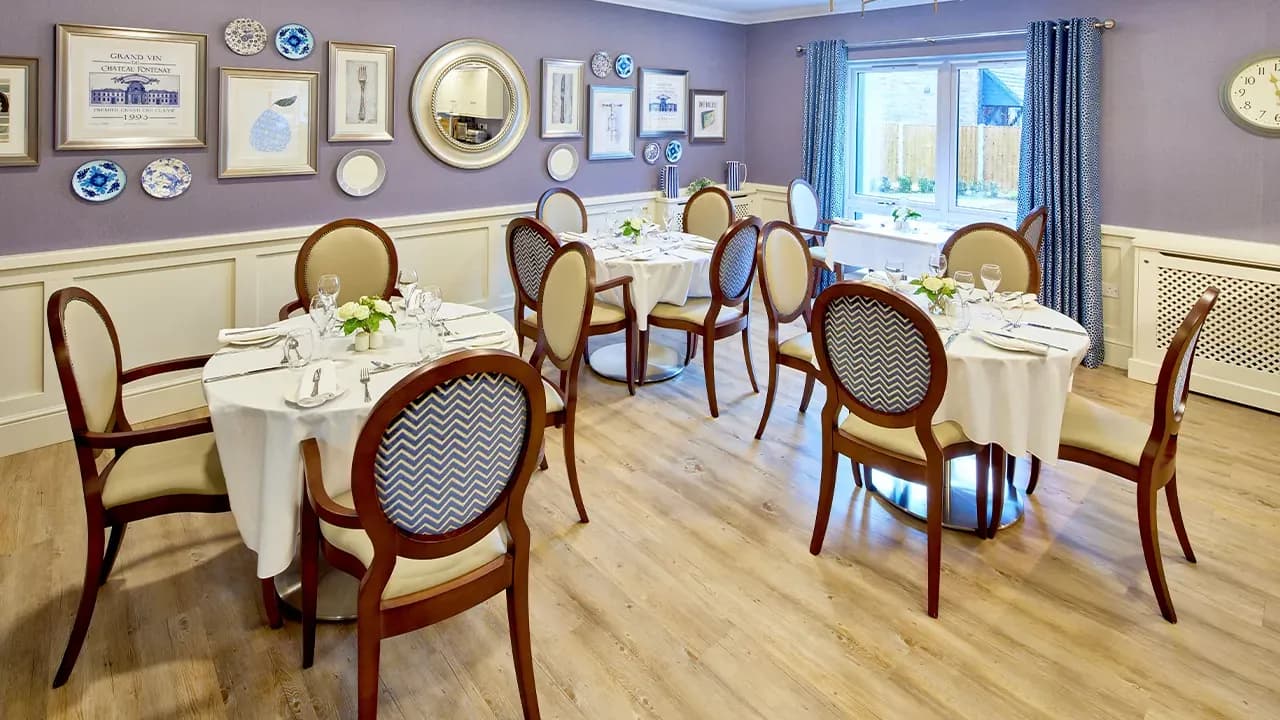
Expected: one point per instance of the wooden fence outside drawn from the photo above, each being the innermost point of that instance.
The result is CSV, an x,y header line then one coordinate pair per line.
x,y
911,150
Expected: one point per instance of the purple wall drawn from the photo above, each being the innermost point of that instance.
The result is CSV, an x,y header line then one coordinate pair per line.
x,y
41,213
1172,159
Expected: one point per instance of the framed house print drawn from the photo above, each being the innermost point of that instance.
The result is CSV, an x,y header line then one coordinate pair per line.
x,y
361,92
19,111
612,136
126,88
662,94
268,123
563,98
708,114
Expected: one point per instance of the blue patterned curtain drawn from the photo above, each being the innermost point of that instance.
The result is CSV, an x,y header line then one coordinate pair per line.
x,y
1060,152
826,108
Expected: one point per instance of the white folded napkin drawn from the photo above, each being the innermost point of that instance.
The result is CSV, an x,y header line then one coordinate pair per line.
x,y
576,237
879,277
248,335
603,254
326,388
1027,301
700,243
1014,344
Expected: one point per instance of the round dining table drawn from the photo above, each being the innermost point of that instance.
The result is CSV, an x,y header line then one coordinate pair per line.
x,y
665,267
1012,399
258,431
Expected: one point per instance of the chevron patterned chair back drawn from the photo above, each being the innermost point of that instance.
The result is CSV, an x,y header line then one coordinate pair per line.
x,y
973,246
530,245
562,210
734,262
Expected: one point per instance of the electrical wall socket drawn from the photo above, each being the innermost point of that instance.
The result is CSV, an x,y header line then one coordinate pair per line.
x,y
1110,290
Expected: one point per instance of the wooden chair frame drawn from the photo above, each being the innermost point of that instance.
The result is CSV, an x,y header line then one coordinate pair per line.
x,y
834,441
101,554
711,329
777,317
1157,468
303,301
1033,263
817,235
542,202
569,365
378,619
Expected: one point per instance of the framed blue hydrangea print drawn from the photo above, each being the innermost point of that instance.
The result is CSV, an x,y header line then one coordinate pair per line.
x,y
268,123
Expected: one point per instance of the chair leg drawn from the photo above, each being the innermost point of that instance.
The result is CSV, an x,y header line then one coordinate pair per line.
x,y
746,354
1151,549
769,393
857,472
693,348
1175,510
309,553
998,465
709,370
1035,475
521,645
368,647
982,486
88,598
688,348
113,550
826,493
571,466
935,544
271,603
631,357
1010,468
808,392
642,371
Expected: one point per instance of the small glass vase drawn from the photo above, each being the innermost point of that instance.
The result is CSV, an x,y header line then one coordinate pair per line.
x,y
938,305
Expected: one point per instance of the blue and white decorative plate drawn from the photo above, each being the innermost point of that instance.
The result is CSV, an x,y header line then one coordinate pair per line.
x,y
166,178
294,41
624,66
98,180
245,36
652,151
600,64
675,151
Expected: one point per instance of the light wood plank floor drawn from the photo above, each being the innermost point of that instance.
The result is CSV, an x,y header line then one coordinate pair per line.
x,y
692,594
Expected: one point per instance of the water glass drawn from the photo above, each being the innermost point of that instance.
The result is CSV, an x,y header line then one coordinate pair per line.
x,y
321,313
299,347
675,219
938,264
964,281
991,276
406,282
958,311
429,344
328,288
431,300
896,270
1011,312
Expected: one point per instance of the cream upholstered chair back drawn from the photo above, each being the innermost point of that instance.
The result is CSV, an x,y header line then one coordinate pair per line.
x,y
565,316
733,263
802,205
785,276
357,251
562,210
709,212
530,245
973,246
87,355
1032,228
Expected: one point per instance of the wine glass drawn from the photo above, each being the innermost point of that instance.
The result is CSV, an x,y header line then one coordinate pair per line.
x,y
964,281
321,313
675,219
938,264
328,288
432,300
896,270
406,282
991,276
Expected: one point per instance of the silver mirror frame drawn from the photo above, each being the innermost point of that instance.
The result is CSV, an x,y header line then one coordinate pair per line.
x,y
427,82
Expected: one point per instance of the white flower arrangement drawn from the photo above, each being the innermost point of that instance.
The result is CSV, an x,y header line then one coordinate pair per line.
x,y
365,315
936,289
903,214
632,227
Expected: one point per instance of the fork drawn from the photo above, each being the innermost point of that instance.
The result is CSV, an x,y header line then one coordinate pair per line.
x,y
364,380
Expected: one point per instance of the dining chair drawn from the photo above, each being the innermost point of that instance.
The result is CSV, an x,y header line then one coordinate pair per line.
x,y
357,251
973,246
883,361
562,210
804,214
160,470
433,524
1144,453
709,213
530,247
787,287
563,326
1032,228
727,312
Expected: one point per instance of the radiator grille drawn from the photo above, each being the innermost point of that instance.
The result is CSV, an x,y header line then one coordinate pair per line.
x,y
1241,330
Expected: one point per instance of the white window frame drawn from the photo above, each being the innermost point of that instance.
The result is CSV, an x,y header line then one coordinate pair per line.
x,y
944,210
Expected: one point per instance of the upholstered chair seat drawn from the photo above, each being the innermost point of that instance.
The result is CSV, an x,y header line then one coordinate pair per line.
x,y
412,575
602,313
1094,427
901,441
799,347
555,399
186,466
695,311
818,253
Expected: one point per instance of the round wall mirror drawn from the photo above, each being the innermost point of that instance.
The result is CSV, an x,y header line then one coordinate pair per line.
x,y
470,103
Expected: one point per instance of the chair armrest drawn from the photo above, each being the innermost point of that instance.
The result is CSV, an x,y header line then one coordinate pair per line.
x,y
619,281
131,438
287,309
187,363
326,509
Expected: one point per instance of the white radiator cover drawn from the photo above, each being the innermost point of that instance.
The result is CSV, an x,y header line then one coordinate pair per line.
x,y
1238,356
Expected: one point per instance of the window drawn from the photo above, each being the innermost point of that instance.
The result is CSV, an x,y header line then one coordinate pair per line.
x,y
940,135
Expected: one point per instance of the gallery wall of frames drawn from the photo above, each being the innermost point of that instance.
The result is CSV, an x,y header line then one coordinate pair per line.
x,y
155,121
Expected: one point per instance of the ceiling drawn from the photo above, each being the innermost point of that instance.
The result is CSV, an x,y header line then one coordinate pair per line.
x,y
749,12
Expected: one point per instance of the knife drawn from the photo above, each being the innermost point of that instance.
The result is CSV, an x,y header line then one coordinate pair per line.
x,y
1029,340
255,371
1068,331
474,336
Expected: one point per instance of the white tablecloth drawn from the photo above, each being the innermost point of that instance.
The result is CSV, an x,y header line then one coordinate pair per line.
x,y
873,242
673,277
258,433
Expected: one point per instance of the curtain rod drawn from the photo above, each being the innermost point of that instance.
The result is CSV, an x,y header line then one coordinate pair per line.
x,y
1108,24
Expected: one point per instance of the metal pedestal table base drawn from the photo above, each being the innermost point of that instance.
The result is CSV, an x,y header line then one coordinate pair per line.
x,y
959,500
335,591
610,361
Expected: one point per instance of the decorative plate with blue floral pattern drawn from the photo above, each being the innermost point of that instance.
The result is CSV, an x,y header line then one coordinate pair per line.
x,y
652,151
166,178
245,36
624,66
675,151
98,180
600,64
294,41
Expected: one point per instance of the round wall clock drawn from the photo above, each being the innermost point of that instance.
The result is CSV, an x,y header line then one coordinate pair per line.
x,y
1251,95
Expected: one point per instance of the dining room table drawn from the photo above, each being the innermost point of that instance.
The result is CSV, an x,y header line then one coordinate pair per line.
x,y
873,242
1007,387
258,425
665,267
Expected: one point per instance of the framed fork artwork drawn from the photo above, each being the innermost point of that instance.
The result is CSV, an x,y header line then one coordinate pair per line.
x,y
361,92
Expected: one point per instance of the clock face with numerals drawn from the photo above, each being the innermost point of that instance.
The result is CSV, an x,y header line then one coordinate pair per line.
x,y
1251,95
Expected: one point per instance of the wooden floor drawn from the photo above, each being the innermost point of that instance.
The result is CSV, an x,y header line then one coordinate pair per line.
x,y
692,593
